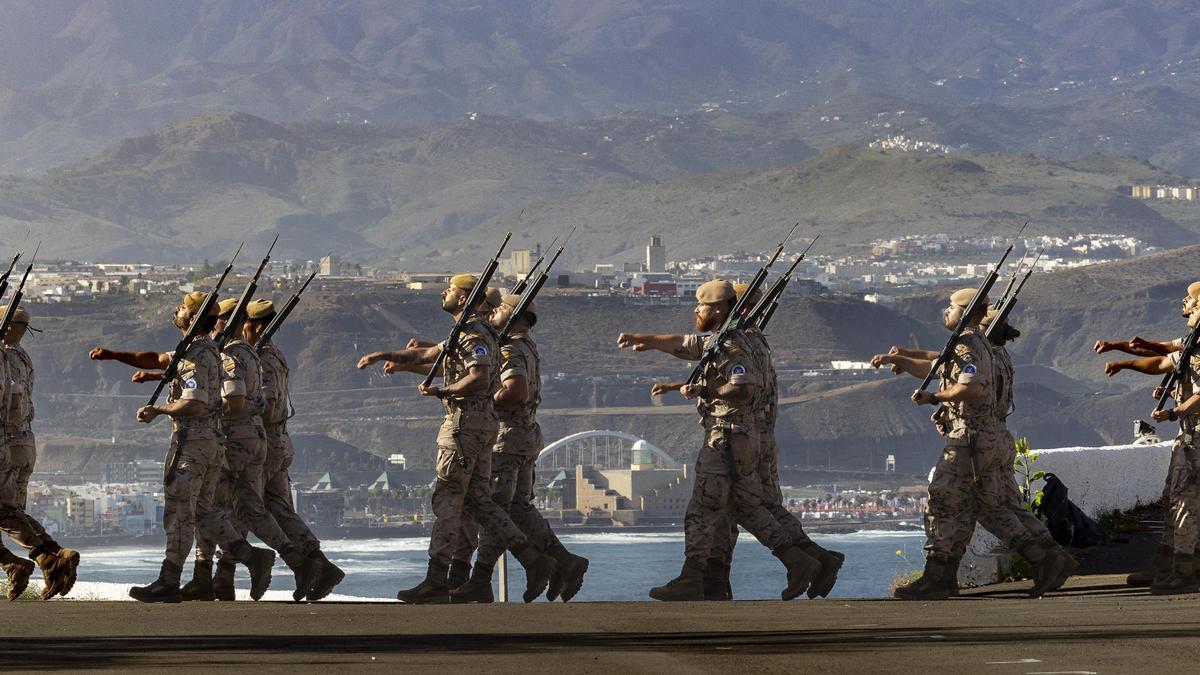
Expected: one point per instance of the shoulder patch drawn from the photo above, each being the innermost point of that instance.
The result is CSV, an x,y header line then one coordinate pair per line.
x,y
480,351
969,369
189,383
738,369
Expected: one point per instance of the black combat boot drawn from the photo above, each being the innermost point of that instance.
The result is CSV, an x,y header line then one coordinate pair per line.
x,y
1051,567
716,580
931,585
689,585
1181,578
478,588
223,580
1160,567
305,570
801,570
258,562
568,574
459,574
952,576
539,567
831,562
432,590
201,585
163,589
328,576
18,570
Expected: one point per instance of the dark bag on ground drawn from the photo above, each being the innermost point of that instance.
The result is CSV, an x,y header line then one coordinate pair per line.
x,y
1069,525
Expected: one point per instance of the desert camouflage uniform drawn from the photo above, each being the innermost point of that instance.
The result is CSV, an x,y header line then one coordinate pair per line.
x,y
768,463
190,494
277,483
970,461
14,522
517,446
1181,529
240,484
727,466
462,491
18,427
1002,492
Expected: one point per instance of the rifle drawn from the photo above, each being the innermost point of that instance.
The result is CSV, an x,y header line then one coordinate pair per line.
x,y
738,319
1008,301
527,298
523,283
281,316
4,279
972,308
476,296
233,327
765,309
16,298
1177,373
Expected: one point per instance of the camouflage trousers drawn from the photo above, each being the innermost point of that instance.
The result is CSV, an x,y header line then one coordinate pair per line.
x,y
189,497
513,478
239,492
1003,497
23,456
277,490
728,483
462,492
1181,527
14,522
725,537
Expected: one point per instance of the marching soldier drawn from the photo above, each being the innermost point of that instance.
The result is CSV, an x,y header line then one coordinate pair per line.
x,y
194,406
277,482
971,475
727,467
463,486
240,484
17,457
517,446
1174,569
1139,346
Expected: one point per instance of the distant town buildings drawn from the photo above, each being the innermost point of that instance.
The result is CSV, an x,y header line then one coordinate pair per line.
x,y
656,255
1186,193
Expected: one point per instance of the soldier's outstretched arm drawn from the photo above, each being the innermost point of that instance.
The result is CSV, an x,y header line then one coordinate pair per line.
x,y
403,357
663,387
923,354
475,380
916,367
142,360
1136,346
959,392
672,344
390,367
1150,365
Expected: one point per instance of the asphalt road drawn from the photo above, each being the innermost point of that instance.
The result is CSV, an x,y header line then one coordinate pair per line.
x,y
1095,626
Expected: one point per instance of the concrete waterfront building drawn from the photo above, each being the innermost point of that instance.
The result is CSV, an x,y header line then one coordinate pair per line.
x,y
642,494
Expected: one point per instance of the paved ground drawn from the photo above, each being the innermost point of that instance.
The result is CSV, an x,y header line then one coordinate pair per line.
x,y
1096,626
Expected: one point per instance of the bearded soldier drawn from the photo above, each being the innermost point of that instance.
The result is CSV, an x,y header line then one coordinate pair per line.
x,y
194,405
727,478
240,484
463,486
971,475
517,446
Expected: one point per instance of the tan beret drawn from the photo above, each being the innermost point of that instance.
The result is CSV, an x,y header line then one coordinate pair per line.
x,y
226,306
717,290
194,300
260,309
740,290
19,316
513,300
493,297
963,296
1194,290
463,281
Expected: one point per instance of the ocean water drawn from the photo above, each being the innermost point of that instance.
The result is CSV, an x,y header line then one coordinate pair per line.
x,y
622,567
